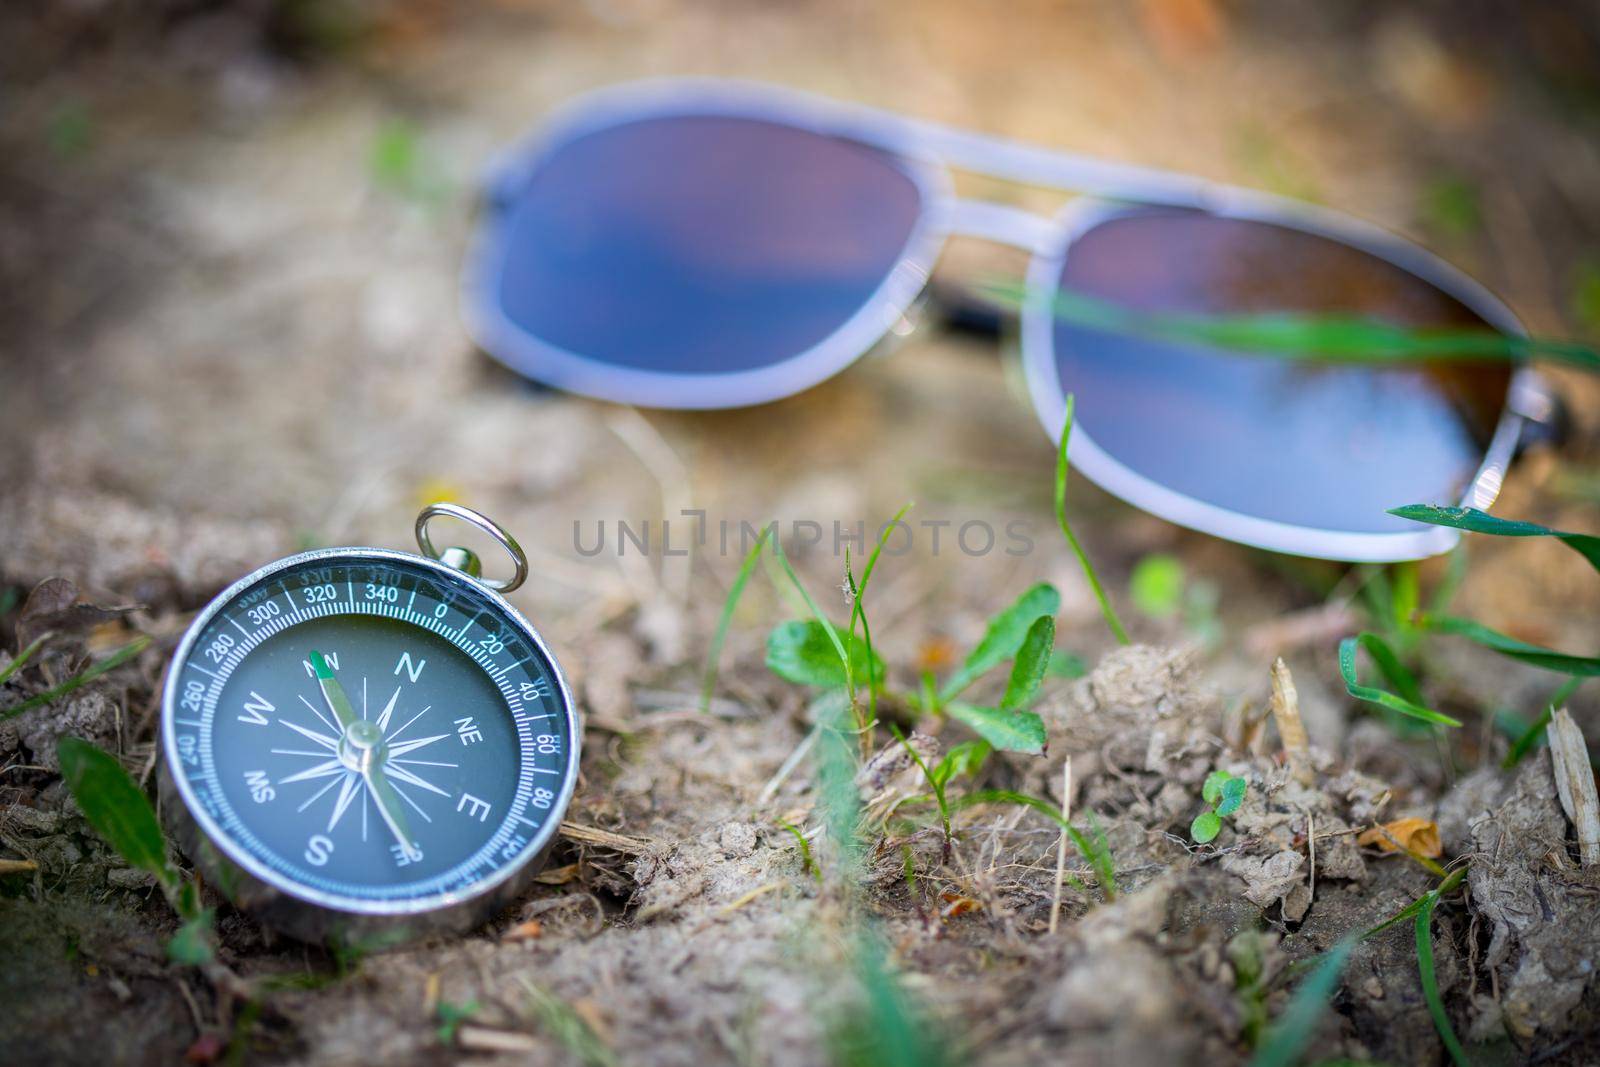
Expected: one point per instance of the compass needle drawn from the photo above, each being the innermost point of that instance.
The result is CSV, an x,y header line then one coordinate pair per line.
x,y
304,692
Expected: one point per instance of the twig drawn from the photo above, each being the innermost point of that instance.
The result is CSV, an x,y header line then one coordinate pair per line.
x,y
1291,729
1575,784
1061,841
483,1039
593,835
1311,845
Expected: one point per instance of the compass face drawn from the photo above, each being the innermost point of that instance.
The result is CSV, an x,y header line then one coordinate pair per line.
x,y
369,731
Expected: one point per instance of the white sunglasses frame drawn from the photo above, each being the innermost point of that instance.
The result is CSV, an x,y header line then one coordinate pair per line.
x,y
927,153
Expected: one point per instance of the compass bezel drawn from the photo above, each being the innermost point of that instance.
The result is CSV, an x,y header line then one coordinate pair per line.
x,y
496,886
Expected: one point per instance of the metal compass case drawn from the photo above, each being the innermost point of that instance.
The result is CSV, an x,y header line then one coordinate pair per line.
x,y
365,746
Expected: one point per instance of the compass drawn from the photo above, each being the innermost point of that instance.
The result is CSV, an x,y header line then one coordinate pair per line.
x,y
361,743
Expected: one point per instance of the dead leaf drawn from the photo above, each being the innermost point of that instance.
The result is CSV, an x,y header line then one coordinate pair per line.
x,y
956,904
1405,835
55,606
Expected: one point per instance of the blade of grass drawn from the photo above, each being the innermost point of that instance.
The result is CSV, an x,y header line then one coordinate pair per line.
x,y
558,1018
805,849
735,592
1389,665
1527,739
22,658
1533,655
1533,734
1294,335
1287,1038
1062,468
1352,684
1430,984
933,780
1096,853
116,659
858,608
827,627
874,677
1474,521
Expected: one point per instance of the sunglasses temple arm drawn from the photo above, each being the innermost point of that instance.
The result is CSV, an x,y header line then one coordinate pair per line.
x,y
1547,420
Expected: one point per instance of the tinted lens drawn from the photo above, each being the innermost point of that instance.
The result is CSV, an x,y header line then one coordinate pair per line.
x,y
702,245
1310,444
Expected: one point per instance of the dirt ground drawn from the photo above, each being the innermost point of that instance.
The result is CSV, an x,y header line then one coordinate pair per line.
x,y
230,238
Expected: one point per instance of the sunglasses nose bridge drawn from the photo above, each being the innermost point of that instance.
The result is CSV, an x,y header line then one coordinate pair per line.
x,y
1002,224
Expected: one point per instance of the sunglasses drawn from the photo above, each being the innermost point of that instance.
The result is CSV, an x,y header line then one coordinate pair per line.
x,y
710,244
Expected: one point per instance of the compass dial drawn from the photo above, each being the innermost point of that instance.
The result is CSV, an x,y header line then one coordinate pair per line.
x,y
370,732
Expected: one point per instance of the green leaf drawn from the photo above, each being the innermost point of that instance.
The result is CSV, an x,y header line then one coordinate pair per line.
x,y
1533,655
1004,636
1389,665
1475,521
1009,730
1205,827
1212,789
1430,984
1233,791
1156,586
1287,1039
803,652
116,807
1352,685
963,759
1066,665
1062,469
1033,660
735,592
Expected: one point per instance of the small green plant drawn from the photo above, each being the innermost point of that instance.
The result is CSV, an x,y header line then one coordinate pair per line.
x,y
813,653
120,812
1160,588
1224,792
1156,585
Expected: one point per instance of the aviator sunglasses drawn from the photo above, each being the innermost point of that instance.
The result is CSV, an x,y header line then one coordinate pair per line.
x,y
713,244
